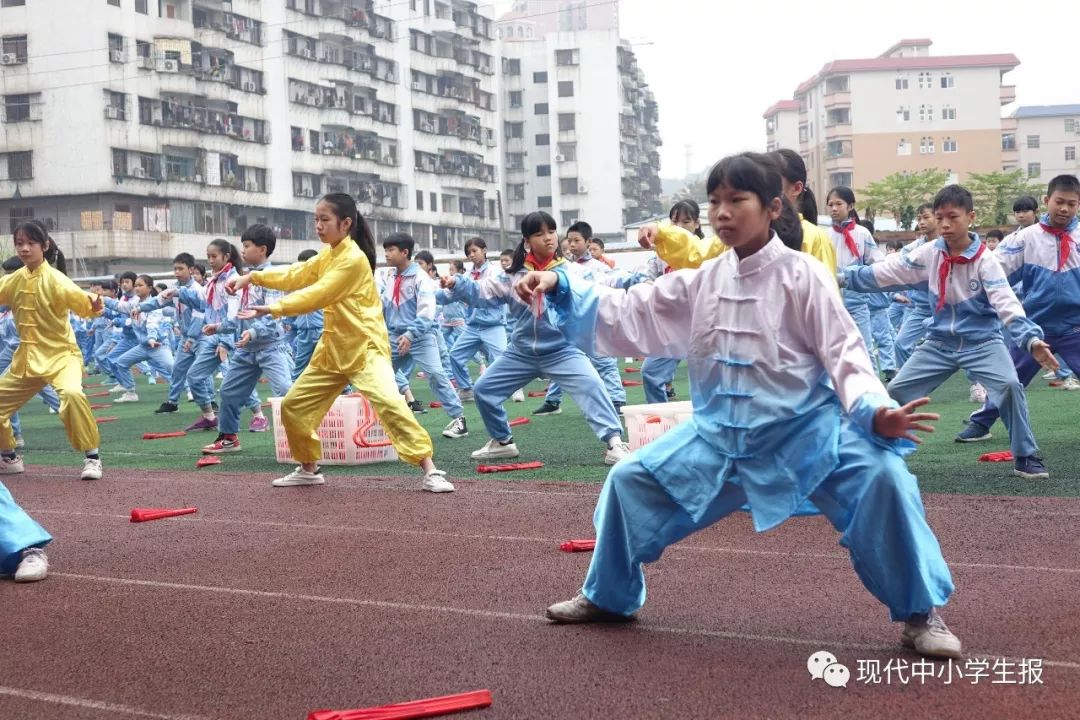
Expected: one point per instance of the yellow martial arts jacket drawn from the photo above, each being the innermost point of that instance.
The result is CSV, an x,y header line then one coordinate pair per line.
x,y
40,300
682,249
339,282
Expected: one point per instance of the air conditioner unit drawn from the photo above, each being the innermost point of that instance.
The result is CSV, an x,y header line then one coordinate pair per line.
x,y
9,59
560,158
117,56
139,172
249,86
168,65
111,112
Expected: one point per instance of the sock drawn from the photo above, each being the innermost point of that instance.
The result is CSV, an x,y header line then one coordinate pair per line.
x,y
507,441
8,454
209,415
92,454
257,413
229,436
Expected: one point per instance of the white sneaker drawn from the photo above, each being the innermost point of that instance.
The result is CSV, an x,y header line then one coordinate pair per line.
x,y
219,376
51,411
299,476
495,449
151,380
117,388
19,442
129,396
91,469
34,566
436,482
11,467
518,396
929,636
977,394
456,429
466,395
1050,375
190,397
616,452
1070,383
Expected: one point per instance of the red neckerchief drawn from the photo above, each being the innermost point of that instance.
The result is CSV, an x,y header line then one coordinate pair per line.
x,y
947,261
845,229
220,273
1064,246
476,273
533,264
398,279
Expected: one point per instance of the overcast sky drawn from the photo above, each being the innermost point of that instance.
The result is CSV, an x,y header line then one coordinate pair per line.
x,y
716,65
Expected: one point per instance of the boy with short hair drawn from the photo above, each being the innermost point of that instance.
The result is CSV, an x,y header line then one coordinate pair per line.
x,y
596,249
190,323
971,300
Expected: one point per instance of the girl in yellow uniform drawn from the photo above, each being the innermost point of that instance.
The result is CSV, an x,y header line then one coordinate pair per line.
x,y
354,347
40,297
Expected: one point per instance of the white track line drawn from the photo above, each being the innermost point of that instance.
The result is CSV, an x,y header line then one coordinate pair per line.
x,y
495,615
89,704
840,557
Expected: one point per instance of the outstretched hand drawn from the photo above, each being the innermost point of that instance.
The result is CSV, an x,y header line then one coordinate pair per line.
x,y
448,282
1042,352
237,282
96,303
901,422
534,283
253,312
646,236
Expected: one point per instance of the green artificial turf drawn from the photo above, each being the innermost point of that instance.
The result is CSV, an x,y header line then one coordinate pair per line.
x,y
563,442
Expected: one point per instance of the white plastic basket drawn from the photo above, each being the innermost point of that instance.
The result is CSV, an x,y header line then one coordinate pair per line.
x,y
336,434
645,423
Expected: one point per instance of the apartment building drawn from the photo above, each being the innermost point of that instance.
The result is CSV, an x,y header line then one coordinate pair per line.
x,y
1043,140
906,110
782,125
579,127
158,124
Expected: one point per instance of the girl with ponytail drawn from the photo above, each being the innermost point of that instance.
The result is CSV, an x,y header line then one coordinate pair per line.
x,y
354,347
854,245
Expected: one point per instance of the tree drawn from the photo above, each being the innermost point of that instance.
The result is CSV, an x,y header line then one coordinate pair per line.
x,y
900,193
994,193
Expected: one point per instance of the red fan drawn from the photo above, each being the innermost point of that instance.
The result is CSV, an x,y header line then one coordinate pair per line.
x,y
509,467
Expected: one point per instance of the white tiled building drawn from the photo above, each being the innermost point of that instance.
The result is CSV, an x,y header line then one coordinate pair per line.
x,y
579,127
157,124
1046,140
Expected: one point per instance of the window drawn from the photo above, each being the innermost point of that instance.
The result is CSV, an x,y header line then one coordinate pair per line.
x,y
140,7
543,171
491,209
568,151
567,121
948,113
1033,141
803,136
926,146
419,199
20,165
515,98
540,109
903,147
948,145
544,201
566,88
434,206
840,178
902,82
925,81
566,57
568,186
1070,152
1034,170
569,217
946,80
903,114
14,45
17,108
539,77
515,129
511,67
543,139
926,113
1008,141
114,3
11,3
114,105
516,192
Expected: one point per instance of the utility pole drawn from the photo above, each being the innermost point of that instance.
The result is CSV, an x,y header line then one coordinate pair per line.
x,y
502,220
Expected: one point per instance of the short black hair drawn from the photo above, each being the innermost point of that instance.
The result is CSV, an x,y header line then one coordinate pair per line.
x,y
597,241
1063,183
13,263
184,259
582,227
996,233
161,287
261,236
477,241
894,245
426,256
128,276
507,253
200,267
956,195
402,241
924,206
306,255
459,265
109,285
1025,203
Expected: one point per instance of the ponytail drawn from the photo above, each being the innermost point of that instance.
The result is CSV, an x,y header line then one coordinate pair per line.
x,y
788,226
149,282
345,208
807,205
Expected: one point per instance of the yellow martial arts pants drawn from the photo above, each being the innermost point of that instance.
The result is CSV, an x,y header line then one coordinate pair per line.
x,y
75,413
314,392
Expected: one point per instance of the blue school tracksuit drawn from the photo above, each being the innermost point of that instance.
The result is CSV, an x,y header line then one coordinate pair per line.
x,y
125,341
884,353
537,348
265,355
485,329
146,327
307,329
867,254
190,322
102,328
409,305
222,308
657,372
9,343
606,367
965,331
18,532
780,419
916,315
1049,269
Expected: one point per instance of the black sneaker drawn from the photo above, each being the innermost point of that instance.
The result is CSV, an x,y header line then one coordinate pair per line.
x,y
1031,468
974,432
671,394
214,406
889,375
456,429
417,407
548,408
166,407
619,406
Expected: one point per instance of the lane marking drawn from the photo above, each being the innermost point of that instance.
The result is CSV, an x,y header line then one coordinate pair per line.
x,y
89,704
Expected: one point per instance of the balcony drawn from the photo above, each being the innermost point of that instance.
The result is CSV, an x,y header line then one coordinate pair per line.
x,y
837,100
1007,94
209,121
839,163
836,131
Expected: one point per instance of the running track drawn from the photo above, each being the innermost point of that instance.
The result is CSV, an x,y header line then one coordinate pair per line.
x,y
272,602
